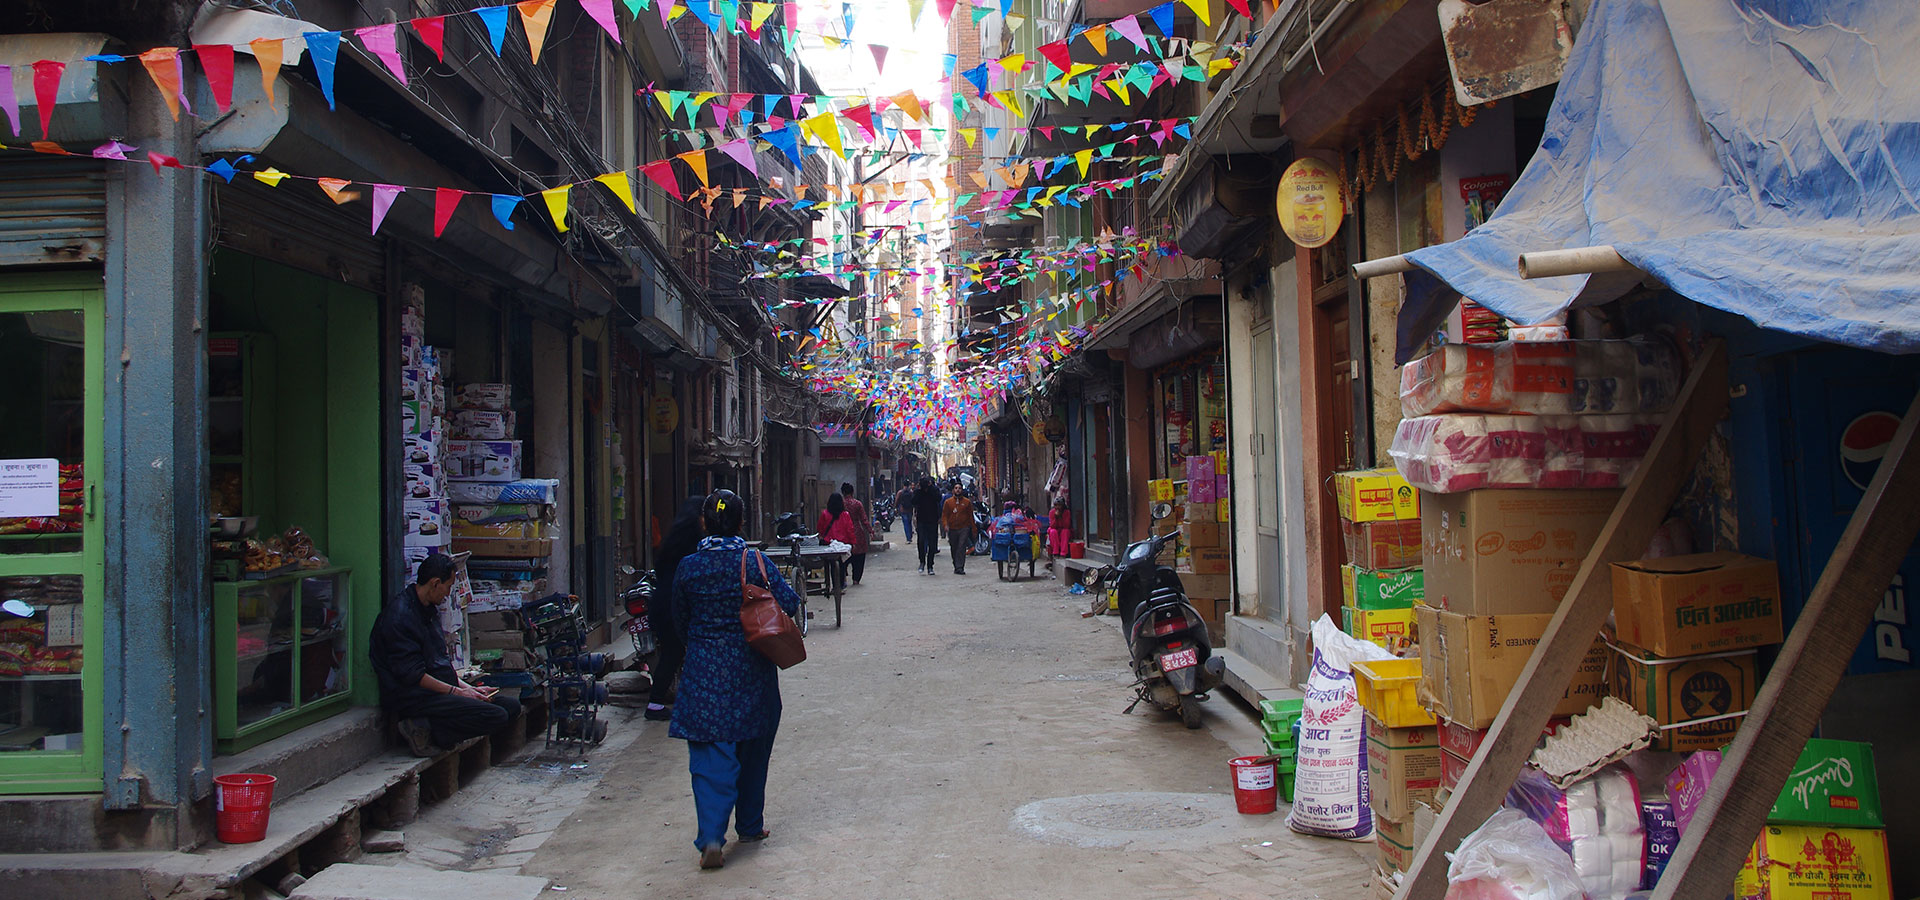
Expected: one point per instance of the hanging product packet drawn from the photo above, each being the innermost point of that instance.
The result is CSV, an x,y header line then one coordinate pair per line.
x,y
1330,796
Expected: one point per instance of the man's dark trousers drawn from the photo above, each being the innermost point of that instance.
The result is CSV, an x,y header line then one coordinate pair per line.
x,y
454,719
929,545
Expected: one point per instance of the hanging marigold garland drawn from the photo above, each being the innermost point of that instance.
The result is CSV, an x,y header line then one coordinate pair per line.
x,y
1416,131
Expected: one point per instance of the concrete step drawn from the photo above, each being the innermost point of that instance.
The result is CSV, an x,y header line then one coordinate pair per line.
x,y
349,881
1253,683
312,755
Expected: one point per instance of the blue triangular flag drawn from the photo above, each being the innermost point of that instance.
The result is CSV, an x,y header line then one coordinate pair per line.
x,y
503,205
786,140
495,18
325,46
978,75
951,62
1006,8
703,10
223,169
1162,17
991,133
1183,130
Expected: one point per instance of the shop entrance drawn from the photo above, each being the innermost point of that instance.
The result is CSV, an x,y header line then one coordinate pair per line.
x,y
293,417
50,541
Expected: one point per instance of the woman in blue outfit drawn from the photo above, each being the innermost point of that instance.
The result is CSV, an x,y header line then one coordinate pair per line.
x,y
728,705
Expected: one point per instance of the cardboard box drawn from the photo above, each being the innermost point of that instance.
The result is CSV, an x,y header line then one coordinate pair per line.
x,y
1220,513
1203,512
1801,862
483,396
429,522
424,480
426,447
493,620
1201,534
1834,783
1160,490
417,416
486,601
1373,589
512,661
1389,628
1470,663
1394,856
505,548
1212,561
1399,831
1687,688
1463,741
1490,553
1385,544
1416,736
1399,777
497,640
484,424
1703,603
1372,495
484,460
524,529
1207,587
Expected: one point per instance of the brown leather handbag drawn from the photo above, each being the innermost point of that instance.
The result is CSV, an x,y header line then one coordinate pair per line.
x,y
770,631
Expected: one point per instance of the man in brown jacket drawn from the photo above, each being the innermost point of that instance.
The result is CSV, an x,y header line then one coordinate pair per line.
x,y
957,517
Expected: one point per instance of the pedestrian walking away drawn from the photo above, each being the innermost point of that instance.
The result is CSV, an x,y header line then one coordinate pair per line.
x,y
957,516
863,532
681,539
432,708
926,513
903,505
728,707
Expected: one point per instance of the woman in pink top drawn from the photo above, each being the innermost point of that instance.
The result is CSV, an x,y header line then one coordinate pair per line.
x,y
836,524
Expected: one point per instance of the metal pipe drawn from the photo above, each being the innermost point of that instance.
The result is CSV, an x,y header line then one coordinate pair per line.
x,y
1385,265
1573,261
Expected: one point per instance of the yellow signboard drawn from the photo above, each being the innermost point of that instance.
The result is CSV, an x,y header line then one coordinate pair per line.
x,y
665,413
1309,202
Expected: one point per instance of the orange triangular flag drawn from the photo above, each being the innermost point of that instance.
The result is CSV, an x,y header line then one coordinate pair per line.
x,y
336,190
697,161
911,104
536,16
160,63
269,52
1097,36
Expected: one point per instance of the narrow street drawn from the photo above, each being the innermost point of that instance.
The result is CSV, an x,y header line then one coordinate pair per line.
x,y
920,746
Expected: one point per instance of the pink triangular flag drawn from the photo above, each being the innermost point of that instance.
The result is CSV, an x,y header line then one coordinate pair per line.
x,y
8,101
46,90
378,39
946,9
383,196
879,57
602,11
216,60
1129,28
741,152
112,150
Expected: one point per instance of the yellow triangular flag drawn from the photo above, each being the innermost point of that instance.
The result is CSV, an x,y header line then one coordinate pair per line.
x,y
824,127
536,16
1097,36
270,176
970,134
1200,8
1012,102
676,11
622,186
1014,63
697,161
1218,66
759,12
1084,158
557,204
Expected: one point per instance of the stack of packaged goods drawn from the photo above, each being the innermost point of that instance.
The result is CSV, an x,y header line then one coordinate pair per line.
x,y
505,521
1403,755
1204,548
1382,578
1281,719
423,439
499,639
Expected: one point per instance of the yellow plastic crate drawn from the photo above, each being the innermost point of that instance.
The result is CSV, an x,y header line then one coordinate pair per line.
x,y
1388,688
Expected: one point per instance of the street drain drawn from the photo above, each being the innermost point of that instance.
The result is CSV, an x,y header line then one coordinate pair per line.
x,y
1141,820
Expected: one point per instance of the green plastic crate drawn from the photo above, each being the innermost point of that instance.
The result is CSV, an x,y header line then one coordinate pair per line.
x,y
1281,709
1286,787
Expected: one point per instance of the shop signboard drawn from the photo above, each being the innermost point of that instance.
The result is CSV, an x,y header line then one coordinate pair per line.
x,y
1309,202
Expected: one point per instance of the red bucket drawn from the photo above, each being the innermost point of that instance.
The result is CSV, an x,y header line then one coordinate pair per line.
x,y
1256,786
241,802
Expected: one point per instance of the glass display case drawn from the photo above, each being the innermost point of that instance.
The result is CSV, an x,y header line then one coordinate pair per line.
x,y
280,654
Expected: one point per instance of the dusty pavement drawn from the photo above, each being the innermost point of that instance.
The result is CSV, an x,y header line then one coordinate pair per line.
x,y
957,738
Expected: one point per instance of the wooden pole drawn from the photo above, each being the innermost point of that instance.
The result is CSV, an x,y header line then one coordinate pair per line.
x,y
1877,539
1703,401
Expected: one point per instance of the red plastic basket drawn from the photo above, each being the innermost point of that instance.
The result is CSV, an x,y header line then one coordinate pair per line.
x,y
241,802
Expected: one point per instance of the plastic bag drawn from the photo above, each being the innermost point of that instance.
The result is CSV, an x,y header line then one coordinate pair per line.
x,y
1330,796
1596,821
1511,858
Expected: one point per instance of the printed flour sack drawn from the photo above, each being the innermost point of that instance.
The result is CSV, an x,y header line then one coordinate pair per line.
x,y
1330,777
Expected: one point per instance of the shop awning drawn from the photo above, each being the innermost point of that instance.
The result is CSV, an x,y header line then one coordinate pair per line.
x,y
1758,156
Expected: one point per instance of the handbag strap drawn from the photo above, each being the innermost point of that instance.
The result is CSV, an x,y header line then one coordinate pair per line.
x,y
743,573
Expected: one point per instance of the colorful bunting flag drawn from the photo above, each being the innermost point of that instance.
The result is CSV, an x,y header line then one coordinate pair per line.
x,y
9,102
536,16
445,201
46,90
383,197
379,41
268,52
621,186
325,47
433,32
503,205
601,11
336,190
556,199
495,18
216,60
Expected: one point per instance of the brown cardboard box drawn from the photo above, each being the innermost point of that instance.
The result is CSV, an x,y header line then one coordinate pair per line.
x,y
1686,688
494,620
498,640
1401,777
505,548
1201,534
1202,513
1211,561
1386,544
1470,663
1206,587
1417,736
1703,603
1399,831
1394,856
1490,553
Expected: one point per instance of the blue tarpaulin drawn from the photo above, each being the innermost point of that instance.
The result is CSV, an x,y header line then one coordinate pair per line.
x,y
1757,156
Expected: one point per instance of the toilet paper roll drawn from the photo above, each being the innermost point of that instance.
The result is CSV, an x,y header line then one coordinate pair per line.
x,y
1583,823
1627,846
1592,856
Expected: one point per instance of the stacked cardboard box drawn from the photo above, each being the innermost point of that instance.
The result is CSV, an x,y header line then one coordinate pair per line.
x,y
1382,578
507,523
1686,632
1204,553
428,525
1403,771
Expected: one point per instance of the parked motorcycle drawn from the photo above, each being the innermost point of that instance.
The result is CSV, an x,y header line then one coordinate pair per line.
x,y
1172,657
982,529
883,515
636,598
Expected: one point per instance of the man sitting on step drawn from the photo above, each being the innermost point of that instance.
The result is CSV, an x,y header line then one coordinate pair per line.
x,y
433,708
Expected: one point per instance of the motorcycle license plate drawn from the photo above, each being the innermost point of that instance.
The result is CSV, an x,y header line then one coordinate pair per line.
x,y
637,626
1180,659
